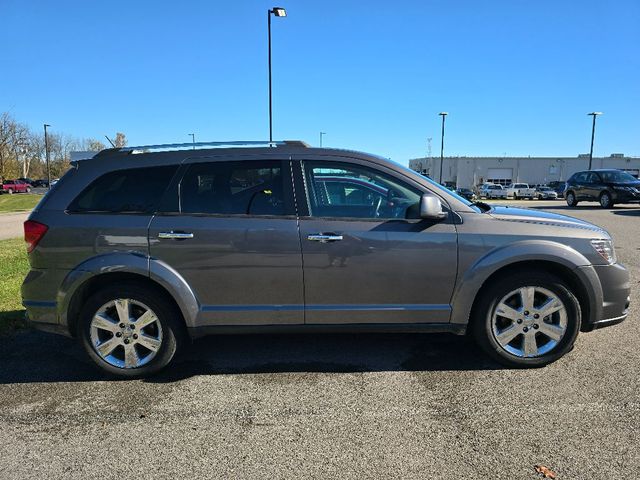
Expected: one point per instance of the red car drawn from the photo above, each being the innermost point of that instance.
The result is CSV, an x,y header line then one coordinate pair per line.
x,y
15,186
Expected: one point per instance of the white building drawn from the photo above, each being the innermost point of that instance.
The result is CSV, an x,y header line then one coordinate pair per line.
x,y
470,171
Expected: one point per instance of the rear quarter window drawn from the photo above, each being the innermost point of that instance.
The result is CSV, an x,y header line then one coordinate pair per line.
x,y
136,190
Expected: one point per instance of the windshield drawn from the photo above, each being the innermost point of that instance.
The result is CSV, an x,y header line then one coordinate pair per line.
x,y
444,191
617,176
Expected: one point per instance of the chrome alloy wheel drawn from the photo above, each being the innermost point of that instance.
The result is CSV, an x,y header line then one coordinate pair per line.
x,y
529,322
126,333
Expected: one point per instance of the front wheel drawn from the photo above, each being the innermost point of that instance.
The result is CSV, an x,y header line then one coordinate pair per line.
x,y
130,330
571,199
605,200
527,320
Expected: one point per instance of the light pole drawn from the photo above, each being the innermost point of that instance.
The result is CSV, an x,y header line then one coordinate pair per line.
x,y
593,134
321,135
443,115
278,12
46,153
193,140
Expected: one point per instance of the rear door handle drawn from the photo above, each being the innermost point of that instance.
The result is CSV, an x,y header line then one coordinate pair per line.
x,y
175,235
324,237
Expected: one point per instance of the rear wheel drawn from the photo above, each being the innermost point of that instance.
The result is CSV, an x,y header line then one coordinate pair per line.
x,y
571,199
605,200
130,330
527,320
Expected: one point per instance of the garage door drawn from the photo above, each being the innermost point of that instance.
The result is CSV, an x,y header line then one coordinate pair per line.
x,y
501,176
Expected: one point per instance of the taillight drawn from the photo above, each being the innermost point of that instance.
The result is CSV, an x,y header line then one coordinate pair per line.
x,y
33,233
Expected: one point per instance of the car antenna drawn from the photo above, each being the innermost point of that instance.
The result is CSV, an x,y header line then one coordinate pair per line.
x,y
112,144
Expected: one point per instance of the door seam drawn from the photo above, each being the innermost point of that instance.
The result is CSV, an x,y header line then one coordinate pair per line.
x,y
295,205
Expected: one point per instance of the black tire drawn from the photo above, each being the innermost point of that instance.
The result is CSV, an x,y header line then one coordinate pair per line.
x,y
571,200
170,319
605,200
482,319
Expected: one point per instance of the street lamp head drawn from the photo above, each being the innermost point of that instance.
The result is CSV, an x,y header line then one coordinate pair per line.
x,y
443,113
47,125
594,113
279,11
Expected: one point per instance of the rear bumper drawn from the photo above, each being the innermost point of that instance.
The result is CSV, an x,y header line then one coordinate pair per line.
x,y
39,297
48,327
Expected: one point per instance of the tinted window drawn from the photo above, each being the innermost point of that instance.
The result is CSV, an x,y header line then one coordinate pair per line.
x,y
591,178
580,177
136,190
616,176
249,188
352,191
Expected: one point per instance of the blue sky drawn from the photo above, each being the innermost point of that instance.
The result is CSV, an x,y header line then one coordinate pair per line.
x,y
517,77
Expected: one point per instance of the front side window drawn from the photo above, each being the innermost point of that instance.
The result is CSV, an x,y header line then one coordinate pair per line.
x,y
352,191
234,188
135,190
592,178
580,177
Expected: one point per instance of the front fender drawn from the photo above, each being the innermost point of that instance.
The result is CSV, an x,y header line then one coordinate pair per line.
x,y
474,277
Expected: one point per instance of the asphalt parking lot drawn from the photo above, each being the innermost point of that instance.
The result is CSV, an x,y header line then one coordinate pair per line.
x,y
333,406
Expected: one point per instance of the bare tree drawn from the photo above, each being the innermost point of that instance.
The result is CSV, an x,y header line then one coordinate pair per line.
x,y
120,140
93,145
22,151
8,130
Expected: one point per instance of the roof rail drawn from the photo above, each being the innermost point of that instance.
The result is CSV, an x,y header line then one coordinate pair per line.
x,y
192,145
201,145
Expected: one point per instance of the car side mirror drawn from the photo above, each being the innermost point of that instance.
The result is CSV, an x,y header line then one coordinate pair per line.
x,y
431,207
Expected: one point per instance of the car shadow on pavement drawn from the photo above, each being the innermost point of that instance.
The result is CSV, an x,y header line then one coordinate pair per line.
x,y
42,357
617,209
628,212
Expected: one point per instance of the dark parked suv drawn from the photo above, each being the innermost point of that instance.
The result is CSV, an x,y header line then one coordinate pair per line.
x,y
138,250
605,186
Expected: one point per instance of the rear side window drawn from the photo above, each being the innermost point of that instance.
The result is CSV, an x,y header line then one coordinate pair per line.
x,y
136,190
235,188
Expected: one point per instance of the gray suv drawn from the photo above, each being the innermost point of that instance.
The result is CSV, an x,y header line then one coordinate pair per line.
x,y
139,250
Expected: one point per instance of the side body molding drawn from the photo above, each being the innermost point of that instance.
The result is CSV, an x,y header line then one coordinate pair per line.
x,y
128,262
178,288
116,262
473,277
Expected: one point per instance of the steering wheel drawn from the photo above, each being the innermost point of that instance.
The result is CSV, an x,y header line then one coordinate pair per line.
x,y
378,204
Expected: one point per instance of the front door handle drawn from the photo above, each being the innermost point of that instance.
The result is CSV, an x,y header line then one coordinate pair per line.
x,y
175,235
324,237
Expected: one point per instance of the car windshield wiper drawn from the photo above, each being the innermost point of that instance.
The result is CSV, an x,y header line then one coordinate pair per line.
x,y
485,207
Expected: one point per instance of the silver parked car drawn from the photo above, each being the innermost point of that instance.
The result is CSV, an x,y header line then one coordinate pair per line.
x,y
545,193
140,249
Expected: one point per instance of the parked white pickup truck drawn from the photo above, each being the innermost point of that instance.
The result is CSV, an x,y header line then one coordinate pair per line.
x,y
521,190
